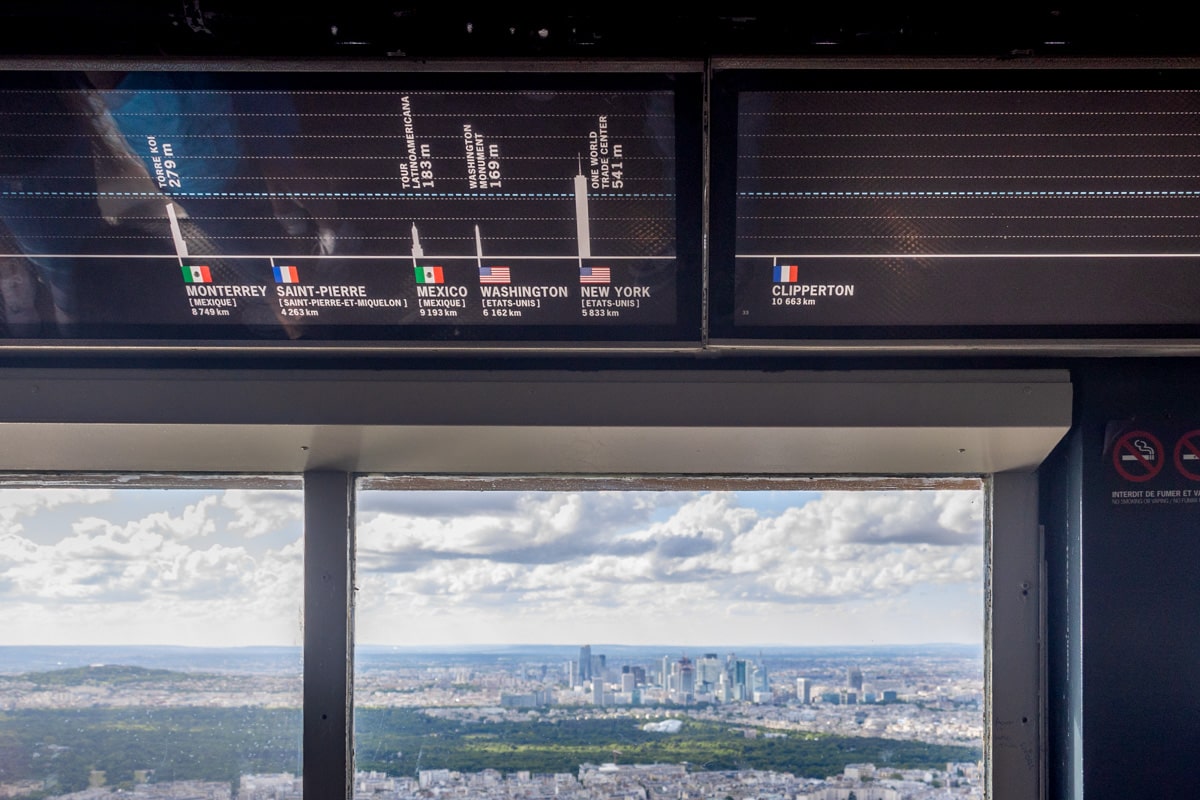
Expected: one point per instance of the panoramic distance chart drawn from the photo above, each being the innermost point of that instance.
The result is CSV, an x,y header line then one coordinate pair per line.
x,y
325,204
950,207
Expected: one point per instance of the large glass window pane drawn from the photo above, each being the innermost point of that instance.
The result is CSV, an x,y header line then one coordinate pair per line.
x,y
150,642
813,644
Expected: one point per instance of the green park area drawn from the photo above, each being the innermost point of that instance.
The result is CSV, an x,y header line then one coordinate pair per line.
x,y
66,746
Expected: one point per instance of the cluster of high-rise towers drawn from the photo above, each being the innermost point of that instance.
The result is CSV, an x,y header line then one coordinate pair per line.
x,y
686,681
708,678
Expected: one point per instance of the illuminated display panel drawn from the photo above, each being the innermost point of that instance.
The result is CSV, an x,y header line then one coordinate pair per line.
x,y
327,207
956,203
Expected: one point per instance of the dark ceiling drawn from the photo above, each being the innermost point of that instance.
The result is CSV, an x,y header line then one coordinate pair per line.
x,y
353,28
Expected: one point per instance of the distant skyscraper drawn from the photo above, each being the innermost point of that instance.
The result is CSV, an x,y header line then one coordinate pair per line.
x,y
804,690
687,679
760,682
585,663
854,679
739,677
708,672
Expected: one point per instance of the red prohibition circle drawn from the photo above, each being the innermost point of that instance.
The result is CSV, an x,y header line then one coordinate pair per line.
x,y
1188,445
1134,465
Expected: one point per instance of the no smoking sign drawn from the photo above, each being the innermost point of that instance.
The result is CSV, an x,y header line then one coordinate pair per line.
x,y
1148,475
1138,456
1187,455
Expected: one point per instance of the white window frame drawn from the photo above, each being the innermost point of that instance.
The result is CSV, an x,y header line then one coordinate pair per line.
x,y
192,425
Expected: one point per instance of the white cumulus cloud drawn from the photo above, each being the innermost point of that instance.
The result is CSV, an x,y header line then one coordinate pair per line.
x,y
709,559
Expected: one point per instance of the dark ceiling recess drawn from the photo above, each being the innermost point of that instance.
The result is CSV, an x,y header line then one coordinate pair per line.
x,y
236,28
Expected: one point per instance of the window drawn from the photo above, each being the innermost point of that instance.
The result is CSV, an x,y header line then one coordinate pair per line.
x,y
549,639
198,423
150,642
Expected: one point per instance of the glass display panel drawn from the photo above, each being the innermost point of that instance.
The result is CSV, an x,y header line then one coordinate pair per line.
x,y
956,202
319,207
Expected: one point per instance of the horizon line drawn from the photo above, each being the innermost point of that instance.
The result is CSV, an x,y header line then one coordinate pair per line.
x,y
494,646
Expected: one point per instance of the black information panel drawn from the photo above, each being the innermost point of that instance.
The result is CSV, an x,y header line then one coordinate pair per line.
x,y
956,203
331,207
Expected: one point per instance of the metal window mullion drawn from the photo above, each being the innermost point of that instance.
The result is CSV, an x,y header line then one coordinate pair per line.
x,y
328,632
1014,655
